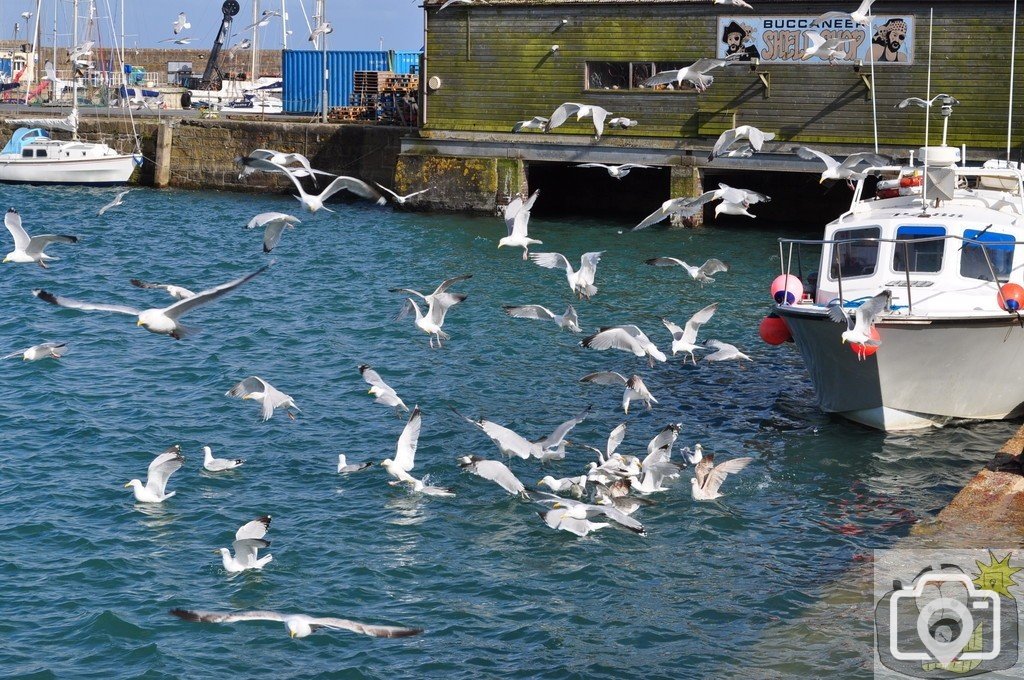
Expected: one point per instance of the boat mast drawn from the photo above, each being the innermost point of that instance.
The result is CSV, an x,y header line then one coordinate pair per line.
x,y
74,78
284,25
33,63
255,39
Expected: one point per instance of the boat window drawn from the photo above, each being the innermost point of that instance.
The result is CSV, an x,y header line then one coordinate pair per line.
x,y
26,153
998,247
913,246
40,153
854,257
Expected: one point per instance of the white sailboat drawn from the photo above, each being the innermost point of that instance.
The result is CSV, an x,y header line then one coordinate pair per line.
x,y
31,156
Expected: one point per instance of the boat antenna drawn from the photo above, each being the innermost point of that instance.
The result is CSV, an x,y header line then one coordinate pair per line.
x,y
927,115
871,61
1013,58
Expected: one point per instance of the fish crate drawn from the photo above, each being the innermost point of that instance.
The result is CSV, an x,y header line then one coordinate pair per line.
x,y
352,113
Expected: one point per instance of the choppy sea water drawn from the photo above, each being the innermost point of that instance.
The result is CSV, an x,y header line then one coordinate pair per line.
x,y
88,576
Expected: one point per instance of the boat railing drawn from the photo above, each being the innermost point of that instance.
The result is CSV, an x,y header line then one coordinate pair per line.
x,y
786,259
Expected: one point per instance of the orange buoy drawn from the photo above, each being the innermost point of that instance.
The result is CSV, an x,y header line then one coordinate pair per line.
x,y
1011,298
786,289
773,330
864,351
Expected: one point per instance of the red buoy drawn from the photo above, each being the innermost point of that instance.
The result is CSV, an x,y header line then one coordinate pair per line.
x,y
864,351
1011,298
773,330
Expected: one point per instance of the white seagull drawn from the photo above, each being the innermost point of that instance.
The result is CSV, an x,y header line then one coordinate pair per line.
x,y
30,248
405,457
517,222
401,200
46,350
551,447
693,74
562,113
701,274
724,352
162,320
383,392
322,29
118,200
269,160
266,395
577,515
858,327
438,303
264,19
735,3
626,338
695,456
298,625
836,170
344,467
927,104
273,224
616,171
569,319
574,486
315,202
181,23
535,123
449,3
825,48
176,292
708,477
247,544
615,438
211,464
685,339
495,471
581,281
859,15
178,41
736,201
684,206
755,139
636,390
162,467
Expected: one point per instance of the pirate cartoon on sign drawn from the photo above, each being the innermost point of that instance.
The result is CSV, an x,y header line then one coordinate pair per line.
x,y
888,40
738,42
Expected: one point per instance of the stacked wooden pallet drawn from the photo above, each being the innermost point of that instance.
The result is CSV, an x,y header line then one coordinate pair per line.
x,y
352,113
402,83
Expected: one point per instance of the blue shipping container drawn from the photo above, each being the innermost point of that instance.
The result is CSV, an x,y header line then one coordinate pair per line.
x,y
303,70
6,68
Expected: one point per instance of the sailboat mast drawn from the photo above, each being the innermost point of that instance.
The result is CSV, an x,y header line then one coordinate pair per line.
x,y
255,38
74,78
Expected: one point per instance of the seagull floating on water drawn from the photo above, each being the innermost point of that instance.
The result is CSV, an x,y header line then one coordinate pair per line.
x,y
30,248
164,320
574,486
344,467
298,625
574,516
162,467
247,544
211,464
568,320
46,350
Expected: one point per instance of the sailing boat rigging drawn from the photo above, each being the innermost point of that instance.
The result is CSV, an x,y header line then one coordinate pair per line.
x,y
32,156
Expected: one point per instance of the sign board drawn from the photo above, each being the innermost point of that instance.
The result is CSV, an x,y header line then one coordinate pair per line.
x,y
783,39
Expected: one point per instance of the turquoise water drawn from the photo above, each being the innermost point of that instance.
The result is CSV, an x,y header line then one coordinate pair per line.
x,y
88,576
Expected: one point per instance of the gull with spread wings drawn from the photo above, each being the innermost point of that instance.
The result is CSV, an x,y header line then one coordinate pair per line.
x,y
517,221
860,324
685,339
568,320
297,625
626,338
248,541
701,274
581,281
269,398
405,457
160,469
30,248
694,74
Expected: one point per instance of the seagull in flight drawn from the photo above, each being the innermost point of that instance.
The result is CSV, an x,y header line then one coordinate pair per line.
x,y
625,338
859,15
636,390
181,23
178,41
297,625
568,320
46,350
836,170
735,3
405,455
513,444
754,137
724,352
211,464
247,544
440,294
736,201
118,200
574,516
400,200
684,206
693,74
383,392
322,29
685,340
701,274
858,326
438,303
825,48
269,160
164,320
927,103
314,202
176,292
535,123
708,477
562,113
517,222
615,171
162,467
495,471
264,19
622,123
266,395
273,225
581,281
30,248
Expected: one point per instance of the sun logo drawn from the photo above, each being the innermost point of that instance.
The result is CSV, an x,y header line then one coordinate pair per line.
x,y
997,575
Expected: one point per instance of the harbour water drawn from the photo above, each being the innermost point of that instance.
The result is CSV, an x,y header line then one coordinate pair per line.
x,y
88,575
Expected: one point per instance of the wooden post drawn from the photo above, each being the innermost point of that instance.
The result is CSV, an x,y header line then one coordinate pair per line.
x,y
162,174
685,181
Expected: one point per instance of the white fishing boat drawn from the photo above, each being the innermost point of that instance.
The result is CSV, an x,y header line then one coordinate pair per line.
x,y
32,156
254,102
947,241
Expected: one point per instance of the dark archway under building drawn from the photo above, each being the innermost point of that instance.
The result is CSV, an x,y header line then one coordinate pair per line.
x,y
798,200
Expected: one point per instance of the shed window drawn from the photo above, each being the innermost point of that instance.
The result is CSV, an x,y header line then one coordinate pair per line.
x,y
856,256
617,75
922,247
998,247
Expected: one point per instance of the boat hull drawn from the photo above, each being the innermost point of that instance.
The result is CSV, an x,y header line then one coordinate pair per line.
x,y
926,372
102,171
